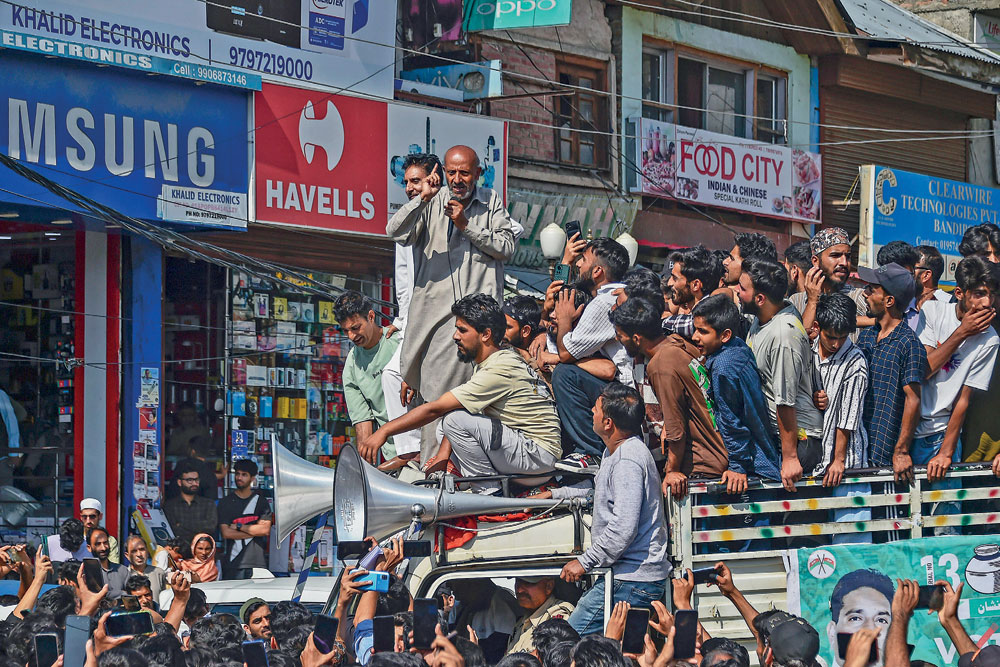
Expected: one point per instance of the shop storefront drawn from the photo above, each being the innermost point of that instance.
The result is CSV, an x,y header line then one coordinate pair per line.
x,y
79,364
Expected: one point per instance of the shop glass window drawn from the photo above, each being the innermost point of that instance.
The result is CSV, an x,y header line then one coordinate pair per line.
x,y
582,111
37,277
657,95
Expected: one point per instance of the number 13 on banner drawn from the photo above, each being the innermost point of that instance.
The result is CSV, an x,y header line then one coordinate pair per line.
x,y
947,561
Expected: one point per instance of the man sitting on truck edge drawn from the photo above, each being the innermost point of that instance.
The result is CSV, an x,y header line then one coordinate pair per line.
x,y
502,420
628,533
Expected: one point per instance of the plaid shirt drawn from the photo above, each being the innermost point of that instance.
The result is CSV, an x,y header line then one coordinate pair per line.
x,y
682,325
893,362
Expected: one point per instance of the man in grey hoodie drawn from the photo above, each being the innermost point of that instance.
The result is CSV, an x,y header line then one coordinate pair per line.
x,y
629,534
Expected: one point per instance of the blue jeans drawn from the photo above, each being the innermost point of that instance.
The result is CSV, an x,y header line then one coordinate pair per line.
x,y
588,617
922,451
576,392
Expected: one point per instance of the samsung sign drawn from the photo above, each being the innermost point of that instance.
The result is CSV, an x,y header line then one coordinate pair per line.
x,y
152,148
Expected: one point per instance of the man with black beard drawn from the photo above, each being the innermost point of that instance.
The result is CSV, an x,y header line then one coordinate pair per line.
x,y
523,316
502,420
831,268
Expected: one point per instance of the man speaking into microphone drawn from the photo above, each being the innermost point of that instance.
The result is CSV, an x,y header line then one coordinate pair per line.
x,y
461,235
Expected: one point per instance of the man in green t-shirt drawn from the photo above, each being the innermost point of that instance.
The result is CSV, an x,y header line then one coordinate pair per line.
x,y
502,420
363,368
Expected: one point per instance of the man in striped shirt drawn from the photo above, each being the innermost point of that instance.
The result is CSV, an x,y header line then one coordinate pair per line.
x,y
840,394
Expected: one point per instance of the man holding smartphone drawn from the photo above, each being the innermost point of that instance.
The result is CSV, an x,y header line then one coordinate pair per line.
x,y
461,236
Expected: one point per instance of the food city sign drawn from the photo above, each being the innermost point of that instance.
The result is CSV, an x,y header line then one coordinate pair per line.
x,y
921,210
729,172
110,136
335,162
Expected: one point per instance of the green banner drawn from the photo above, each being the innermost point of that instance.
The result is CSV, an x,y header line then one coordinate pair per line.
x,y
841,589
501,14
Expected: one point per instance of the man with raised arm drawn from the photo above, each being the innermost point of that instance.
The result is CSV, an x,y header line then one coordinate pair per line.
x,y
461,235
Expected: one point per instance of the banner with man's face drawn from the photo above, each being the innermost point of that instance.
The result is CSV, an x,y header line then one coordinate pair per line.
x,y
841,589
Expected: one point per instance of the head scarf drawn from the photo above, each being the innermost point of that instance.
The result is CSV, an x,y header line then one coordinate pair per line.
x,y
827,238
205,569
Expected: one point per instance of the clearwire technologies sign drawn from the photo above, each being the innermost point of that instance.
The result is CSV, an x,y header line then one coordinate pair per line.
x,y
501,14
921,210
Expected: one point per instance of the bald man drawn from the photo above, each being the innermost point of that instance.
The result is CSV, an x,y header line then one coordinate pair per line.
x,y
461,235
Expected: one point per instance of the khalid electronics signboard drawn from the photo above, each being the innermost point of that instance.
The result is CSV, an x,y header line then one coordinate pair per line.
x,y
720,170
339,42
921,210
321,169
157,149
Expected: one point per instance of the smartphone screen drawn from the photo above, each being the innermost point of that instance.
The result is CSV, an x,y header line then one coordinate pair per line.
x,y
384,634
705,575
416,549
425,619
46,649
930,597
130,603
686,630
633,641
75,641
325,633
93,574
844,638
132,623
254,654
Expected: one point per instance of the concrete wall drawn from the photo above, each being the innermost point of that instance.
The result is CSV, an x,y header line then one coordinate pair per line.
x,y
953,15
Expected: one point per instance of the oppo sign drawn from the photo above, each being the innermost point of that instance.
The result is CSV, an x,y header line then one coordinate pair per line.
x,y
501,14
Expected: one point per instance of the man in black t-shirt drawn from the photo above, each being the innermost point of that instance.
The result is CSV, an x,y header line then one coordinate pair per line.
x,y
245,523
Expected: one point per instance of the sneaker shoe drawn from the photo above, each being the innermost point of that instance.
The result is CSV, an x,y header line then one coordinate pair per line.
x,y
579,463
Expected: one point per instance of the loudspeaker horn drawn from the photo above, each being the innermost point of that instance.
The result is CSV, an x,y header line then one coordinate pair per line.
x,y
367,502
301,489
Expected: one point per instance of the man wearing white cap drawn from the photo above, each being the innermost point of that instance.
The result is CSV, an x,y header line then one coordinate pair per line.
x,y
91,513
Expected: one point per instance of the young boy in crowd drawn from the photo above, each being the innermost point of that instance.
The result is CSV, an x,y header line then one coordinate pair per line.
x,y
741,413
841,387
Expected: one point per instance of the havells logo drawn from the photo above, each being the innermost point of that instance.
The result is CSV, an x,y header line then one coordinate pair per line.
x,y
326,133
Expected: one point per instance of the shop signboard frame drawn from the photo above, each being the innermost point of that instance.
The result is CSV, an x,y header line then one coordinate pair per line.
x,y
342,43
319,171
921,210
111,137
701,167
513,14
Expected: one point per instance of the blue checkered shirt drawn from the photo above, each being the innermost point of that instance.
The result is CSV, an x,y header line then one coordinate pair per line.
x,y
678,324
741,413
893,362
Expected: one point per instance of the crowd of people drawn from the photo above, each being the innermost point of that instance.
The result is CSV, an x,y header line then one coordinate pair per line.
x,y
475,624
623,385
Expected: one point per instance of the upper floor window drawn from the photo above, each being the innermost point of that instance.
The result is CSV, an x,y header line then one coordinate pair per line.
x,y
582,116
714,94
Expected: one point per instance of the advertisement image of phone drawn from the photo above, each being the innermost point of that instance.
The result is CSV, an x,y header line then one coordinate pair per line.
x,y
325,633
844,638
255,654
685,632
425,620
46,649
132,623
384,634
93,574
636,624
